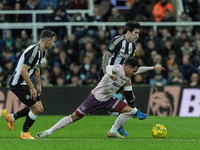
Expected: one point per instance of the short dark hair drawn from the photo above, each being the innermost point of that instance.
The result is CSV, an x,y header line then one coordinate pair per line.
x,y
133,62
131,25
47,34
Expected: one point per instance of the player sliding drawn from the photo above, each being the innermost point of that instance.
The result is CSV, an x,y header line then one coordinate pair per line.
x,y
101,98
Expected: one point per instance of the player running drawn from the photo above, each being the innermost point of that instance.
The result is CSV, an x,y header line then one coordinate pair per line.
x,y
23,88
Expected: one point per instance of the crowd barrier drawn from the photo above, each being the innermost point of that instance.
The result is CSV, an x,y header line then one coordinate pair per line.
x,y
155,101
35,26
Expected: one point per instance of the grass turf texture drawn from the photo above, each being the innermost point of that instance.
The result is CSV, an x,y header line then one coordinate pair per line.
x,y
90,134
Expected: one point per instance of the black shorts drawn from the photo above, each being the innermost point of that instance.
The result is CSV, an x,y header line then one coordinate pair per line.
x,y
23,93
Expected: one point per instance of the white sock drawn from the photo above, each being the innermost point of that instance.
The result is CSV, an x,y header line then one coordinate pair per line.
x,y
113,129
60,124
32,115
134,110
49,131
12,118
121,119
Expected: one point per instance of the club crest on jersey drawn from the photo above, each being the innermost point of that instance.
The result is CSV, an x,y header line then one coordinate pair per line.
x,y
31,59
130,50
83,108
112,46
27,97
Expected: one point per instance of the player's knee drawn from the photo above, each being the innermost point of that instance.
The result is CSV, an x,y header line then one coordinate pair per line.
x,y
39,110
75,117
127,109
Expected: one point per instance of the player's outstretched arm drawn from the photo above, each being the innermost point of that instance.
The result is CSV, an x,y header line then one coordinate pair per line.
x,y
143,69
158,68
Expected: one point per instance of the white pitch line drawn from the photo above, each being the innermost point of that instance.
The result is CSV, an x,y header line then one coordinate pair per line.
x,y
55,139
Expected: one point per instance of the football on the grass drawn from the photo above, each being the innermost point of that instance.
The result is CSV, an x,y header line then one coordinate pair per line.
x,y
159,131
4,112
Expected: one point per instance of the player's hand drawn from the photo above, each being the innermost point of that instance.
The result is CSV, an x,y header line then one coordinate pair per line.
x,y
133,96
158,68
113,77
33,93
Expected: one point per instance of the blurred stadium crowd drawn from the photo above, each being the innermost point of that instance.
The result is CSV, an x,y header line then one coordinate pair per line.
x,y
75,60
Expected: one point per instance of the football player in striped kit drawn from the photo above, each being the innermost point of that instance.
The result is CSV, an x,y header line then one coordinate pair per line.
x,y
22,86
119,49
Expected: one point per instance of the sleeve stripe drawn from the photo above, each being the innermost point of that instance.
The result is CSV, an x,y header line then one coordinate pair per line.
x,y
118,40
34,51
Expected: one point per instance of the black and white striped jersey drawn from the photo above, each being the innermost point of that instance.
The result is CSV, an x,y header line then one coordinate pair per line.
x,y
32,56
120,49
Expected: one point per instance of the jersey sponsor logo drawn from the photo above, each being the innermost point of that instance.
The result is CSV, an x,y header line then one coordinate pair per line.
x,y
117,85
123,55
112,46
31,59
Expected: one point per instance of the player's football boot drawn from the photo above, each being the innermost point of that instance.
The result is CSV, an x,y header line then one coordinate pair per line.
x,y
26,135
42,134
122,131
9,122
140,115
114,135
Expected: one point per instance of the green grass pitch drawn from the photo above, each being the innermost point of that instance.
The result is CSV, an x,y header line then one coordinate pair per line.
x,y
90,134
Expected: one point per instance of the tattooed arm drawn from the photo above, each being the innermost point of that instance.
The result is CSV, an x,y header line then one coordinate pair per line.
x,y
105,59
